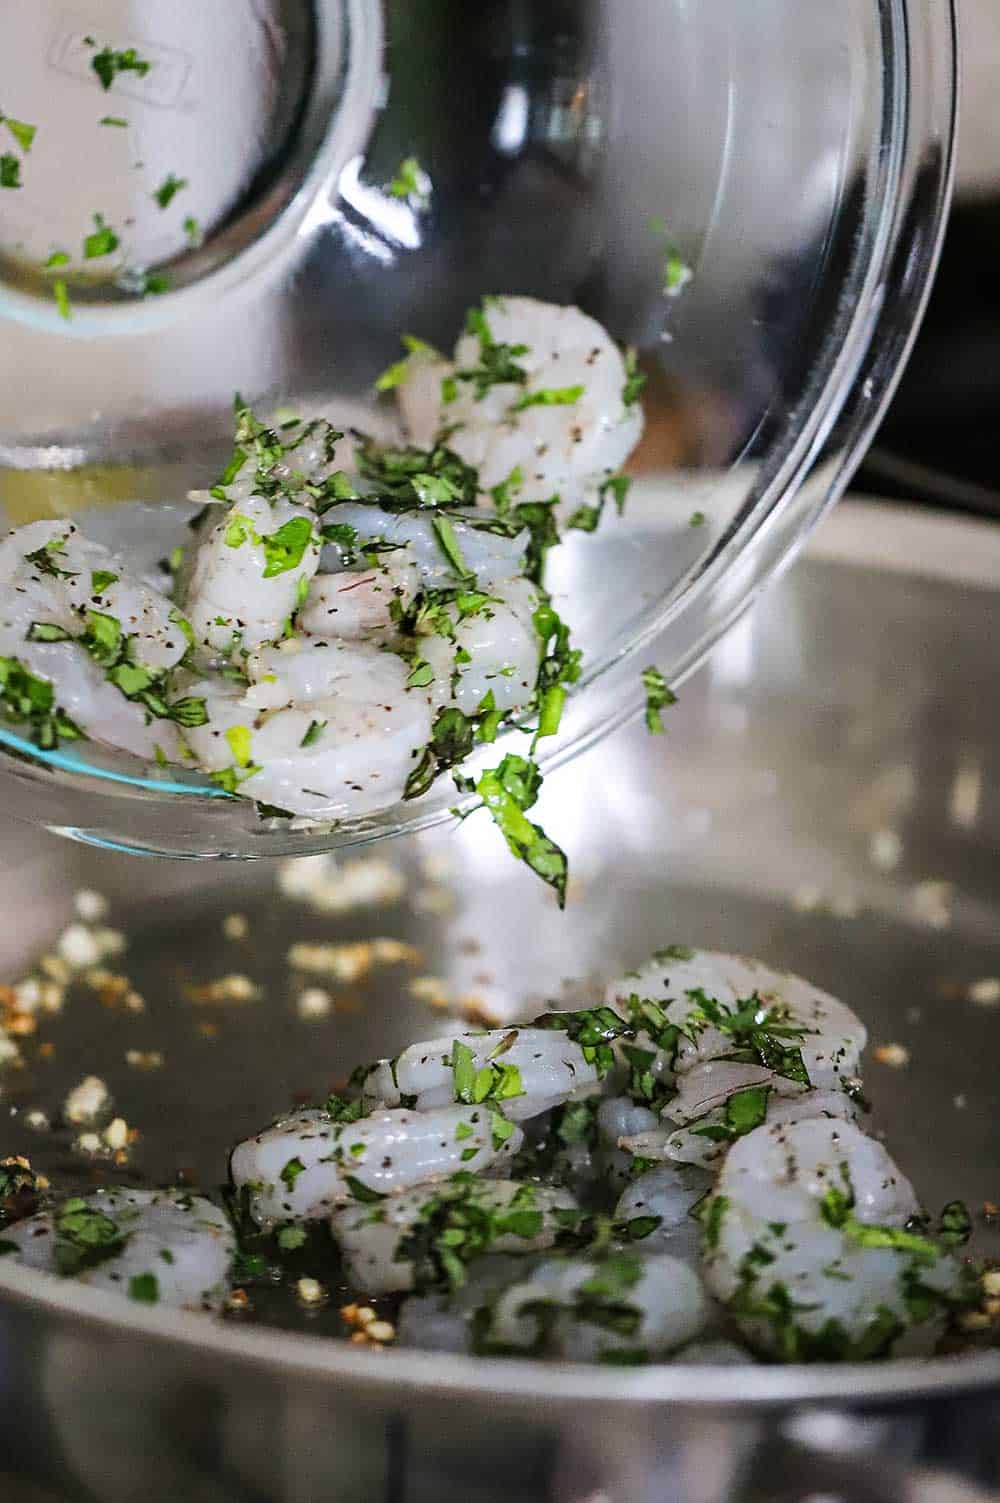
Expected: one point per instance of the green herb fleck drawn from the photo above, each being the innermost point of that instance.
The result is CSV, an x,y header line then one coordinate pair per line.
x,y
108,63
658,698
144,1287
23,133
553,396
411,182
101,241
10,170
291,1172
169,189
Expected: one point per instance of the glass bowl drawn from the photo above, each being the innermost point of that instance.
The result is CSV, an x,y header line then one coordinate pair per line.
x,y
797,162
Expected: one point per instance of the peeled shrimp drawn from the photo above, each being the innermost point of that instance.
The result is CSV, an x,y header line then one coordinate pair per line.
x,y
324,729
668,1193
241,589
494,651
694,1146
304,1166
578,433
831,1043
373,1239
588,1311
409,539
175,1248
779,1248
549,1067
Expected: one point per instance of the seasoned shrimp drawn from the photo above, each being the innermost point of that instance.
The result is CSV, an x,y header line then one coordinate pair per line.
x,y
624,1308
667,1194
72,618
424,1238
307,1164
165,1246
494,650
324,729
701,993
248,576
357,604
534,389
411,539
529,1070
806,1241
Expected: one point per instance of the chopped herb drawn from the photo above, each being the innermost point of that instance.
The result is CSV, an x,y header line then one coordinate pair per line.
x,y
23,133
103,636
421,675
189,712
230,778
57,258
47,631
29,700
10,170
61,294
283,549
500,1129
503,790
291,1172
101,241
193,231
955,1224
697,519
168,189
673,952
315,731
145,1288
594,1028
497,362
84,1238
152,284
239,739
715,1211
495,1081
396,374
634,378
291,1237
108,63
450,546
411,181
553,396
658,698
118,120
362,1192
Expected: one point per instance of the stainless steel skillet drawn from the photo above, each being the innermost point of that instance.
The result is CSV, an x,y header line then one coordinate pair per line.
x,y
826,797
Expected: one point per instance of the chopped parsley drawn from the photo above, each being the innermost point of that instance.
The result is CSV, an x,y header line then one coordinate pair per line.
x,y
102,240
46,631
495,1081
658,698
144,1287
23,133
460,1222
26,699
10,170
757,1031
61,294
399,372
168,189
411,182
118,120
497,362
108,63
743,1111
84,1238
635,380
595,1029
193,231
291,1172
507,791
552,396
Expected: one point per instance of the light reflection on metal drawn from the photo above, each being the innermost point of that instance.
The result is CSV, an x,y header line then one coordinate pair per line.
x,y
392,217
966,794
510,130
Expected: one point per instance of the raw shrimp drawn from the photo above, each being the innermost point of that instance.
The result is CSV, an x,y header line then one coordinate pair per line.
x,y
528,1069
410,539
806,1241
495,650
667,1193
624,1308
705,1141
674,987
323,729
308,1163
71,616
426,1237
248,576
537,390
165,1247
357,604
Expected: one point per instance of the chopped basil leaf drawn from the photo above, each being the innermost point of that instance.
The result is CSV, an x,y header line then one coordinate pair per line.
x,y
658,697
291,1172
118,120
168,189
238,737
47,631
23,133
108,63
144,1287
553,396
315,731
283,549
101,241
503,790
10,170
61,294
450,546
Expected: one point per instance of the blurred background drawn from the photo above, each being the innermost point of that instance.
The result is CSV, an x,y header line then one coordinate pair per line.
x,y
938,442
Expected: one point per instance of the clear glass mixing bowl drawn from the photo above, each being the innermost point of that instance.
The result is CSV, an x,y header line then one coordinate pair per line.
x,y
797,157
